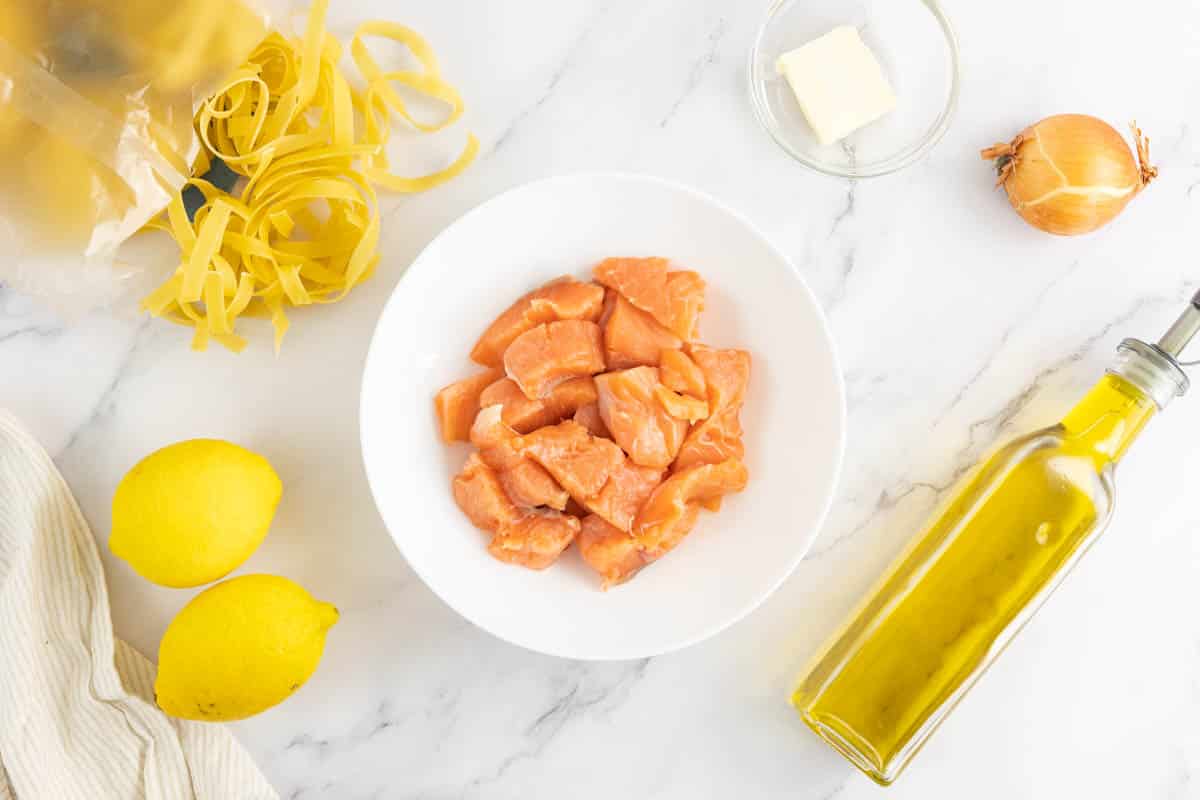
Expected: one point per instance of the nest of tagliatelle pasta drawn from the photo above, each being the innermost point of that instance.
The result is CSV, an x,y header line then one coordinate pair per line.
x,y
301,224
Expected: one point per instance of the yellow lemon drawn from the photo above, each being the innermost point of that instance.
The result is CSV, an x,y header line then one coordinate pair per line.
x,y
192,512
240,647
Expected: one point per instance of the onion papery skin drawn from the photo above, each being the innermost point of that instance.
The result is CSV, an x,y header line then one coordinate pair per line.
x,y
1071,174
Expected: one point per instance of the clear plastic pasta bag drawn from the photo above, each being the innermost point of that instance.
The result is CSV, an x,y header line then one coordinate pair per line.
x,y
97,99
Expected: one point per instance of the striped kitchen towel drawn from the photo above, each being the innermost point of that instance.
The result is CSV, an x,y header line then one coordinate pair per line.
x,y
77,714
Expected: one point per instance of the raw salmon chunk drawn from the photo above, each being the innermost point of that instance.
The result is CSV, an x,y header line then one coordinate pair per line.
x,y
458,403
526,482
680,374
681,406
533,538
628,487
609,551
675,533
642,281
727,374
528,485
671,510
715,439
580,462
554,352
603,420
610,302
536,539
479,494
564,298
569,396
685,295
589,417
636,418
489,429
525,416
633,338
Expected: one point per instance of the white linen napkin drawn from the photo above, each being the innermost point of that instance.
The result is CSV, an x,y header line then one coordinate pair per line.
x,y
77,712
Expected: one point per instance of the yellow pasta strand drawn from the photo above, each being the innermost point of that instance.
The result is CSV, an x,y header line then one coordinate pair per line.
x,y
303,226
410,185
208,240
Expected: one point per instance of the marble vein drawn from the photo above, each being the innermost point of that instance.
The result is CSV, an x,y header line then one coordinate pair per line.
x,y
697,71
103,403
980,434
1031,311
850,258
860,386
556,77
39,331
840,287
381,719
299,792
835,792
574,701
847,210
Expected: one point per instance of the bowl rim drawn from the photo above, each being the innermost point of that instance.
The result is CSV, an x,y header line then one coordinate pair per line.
x,y
375,484
873,169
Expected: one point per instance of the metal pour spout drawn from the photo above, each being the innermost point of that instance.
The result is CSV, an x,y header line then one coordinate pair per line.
x,y
1185,328
1156,369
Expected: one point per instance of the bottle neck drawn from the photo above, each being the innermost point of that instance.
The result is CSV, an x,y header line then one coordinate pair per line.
x,y
1109,418
1142,381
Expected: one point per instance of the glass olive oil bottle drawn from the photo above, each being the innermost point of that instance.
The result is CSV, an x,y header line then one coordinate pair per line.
x,y
964,587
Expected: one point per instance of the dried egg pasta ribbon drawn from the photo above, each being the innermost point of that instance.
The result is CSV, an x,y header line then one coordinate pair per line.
x,y
289,122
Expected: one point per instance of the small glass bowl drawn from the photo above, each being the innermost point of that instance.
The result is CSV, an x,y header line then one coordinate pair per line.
x,y
918,50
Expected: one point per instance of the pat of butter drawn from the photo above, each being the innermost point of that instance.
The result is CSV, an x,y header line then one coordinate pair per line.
x,y
838,82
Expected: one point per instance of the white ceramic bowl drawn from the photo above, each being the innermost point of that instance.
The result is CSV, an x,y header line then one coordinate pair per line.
x,y
794,415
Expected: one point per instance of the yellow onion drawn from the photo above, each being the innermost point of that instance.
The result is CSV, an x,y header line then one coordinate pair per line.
x,y
1071,173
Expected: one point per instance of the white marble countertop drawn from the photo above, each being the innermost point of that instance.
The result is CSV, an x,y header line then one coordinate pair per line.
x,y
955,322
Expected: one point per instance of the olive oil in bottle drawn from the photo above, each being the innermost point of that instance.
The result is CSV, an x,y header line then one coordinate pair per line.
x,y
964,587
